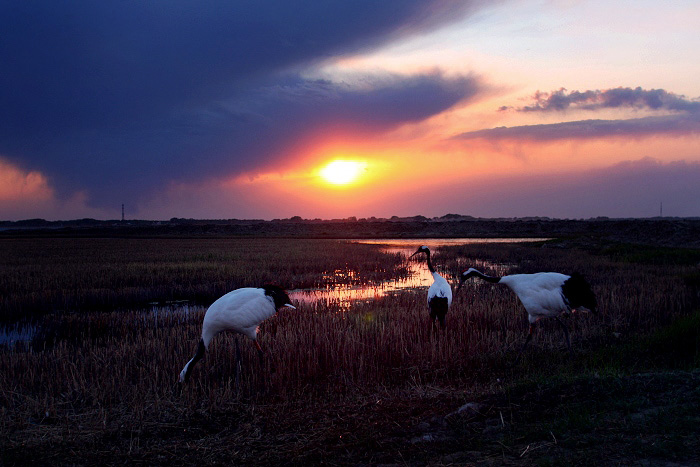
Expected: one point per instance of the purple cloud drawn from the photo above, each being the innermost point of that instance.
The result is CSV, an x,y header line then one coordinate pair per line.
x,y
637,98
591,129
685,120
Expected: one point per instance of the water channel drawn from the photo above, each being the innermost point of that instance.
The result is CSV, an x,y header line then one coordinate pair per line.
x,y
418,276
340,295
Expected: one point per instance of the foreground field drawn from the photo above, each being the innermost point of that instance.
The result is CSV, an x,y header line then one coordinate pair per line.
x,y
371,385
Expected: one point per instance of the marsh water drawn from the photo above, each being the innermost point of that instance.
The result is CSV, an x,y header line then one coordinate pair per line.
x,y
336,293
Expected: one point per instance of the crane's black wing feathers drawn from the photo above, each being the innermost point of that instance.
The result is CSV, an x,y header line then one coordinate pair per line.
x,y
438,308
578,293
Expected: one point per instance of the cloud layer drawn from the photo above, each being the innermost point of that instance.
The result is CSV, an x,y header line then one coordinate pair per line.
x,y
684,120
118,98
591,129
637,98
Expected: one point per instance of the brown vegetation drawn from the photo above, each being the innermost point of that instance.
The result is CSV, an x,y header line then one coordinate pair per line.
x,y
41,275
102,387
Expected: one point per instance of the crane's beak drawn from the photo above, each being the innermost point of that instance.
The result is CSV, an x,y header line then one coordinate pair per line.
x,y
290,306
414,254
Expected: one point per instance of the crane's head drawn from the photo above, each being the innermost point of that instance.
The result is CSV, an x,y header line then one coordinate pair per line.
x,y
421,249
279,296
466,275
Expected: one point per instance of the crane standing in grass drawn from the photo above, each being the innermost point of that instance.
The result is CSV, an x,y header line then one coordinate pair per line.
x,y
240,311
439,293
544,294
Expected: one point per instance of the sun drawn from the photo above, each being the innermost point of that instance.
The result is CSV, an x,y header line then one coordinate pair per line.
x,y
342,172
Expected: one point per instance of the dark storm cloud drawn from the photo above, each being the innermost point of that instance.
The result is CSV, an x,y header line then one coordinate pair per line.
x,y
250,131
591,129
106,95
379,101
638,98
270,120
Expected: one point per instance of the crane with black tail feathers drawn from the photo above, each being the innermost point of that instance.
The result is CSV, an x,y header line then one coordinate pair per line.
x,y
439,293
544,294
240,311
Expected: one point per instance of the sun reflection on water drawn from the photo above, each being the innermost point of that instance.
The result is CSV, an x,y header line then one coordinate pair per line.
x,y
342,296
336,295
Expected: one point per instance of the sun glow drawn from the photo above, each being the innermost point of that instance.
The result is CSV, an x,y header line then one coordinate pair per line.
x,y
342,172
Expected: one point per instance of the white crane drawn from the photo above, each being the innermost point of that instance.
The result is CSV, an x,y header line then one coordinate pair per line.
x,y
544,294
240,311
439,293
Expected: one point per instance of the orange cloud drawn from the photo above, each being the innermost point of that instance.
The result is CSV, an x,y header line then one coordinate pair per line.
x,y
28,194
22,186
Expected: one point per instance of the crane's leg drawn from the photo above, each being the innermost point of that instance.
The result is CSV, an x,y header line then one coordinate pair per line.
x,y
527,341
262,363
433,324
260,351
566,333
238,366
441,315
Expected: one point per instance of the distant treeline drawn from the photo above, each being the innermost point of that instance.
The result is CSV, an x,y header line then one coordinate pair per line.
x,y
680,232
89,222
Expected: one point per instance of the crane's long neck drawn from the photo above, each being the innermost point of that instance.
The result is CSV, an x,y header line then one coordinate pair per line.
x,y
185,373
430,264
481,275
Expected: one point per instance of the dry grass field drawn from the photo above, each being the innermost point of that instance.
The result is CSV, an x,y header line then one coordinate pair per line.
x,y
374,384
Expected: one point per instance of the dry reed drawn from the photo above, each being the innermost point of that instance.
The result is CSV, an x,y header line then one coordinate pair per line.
x,y
105,372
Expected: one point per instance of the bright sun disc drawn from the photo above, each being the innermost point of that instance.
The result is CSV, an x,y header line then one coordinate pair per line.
x,y
341,172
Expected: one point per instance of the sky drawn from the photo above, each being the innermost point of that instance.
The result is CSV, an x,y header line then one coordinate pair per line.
x,y
218,109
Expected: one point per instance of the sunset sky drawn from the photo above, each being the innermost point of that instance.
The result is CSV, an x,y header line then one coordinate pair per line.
x,y
235,109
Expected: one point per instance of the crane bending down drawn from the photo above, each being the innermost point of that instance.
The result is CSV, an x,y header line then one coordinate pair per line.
x,y
240,311
439,293
544,294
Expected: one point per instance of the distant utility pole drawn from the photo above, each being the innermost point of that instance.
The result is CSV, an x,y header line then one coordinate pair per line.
x,y
122,212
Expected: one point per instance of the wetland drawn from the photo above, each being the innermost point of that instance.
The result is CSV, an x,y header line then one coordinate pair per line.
x,y
349,377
